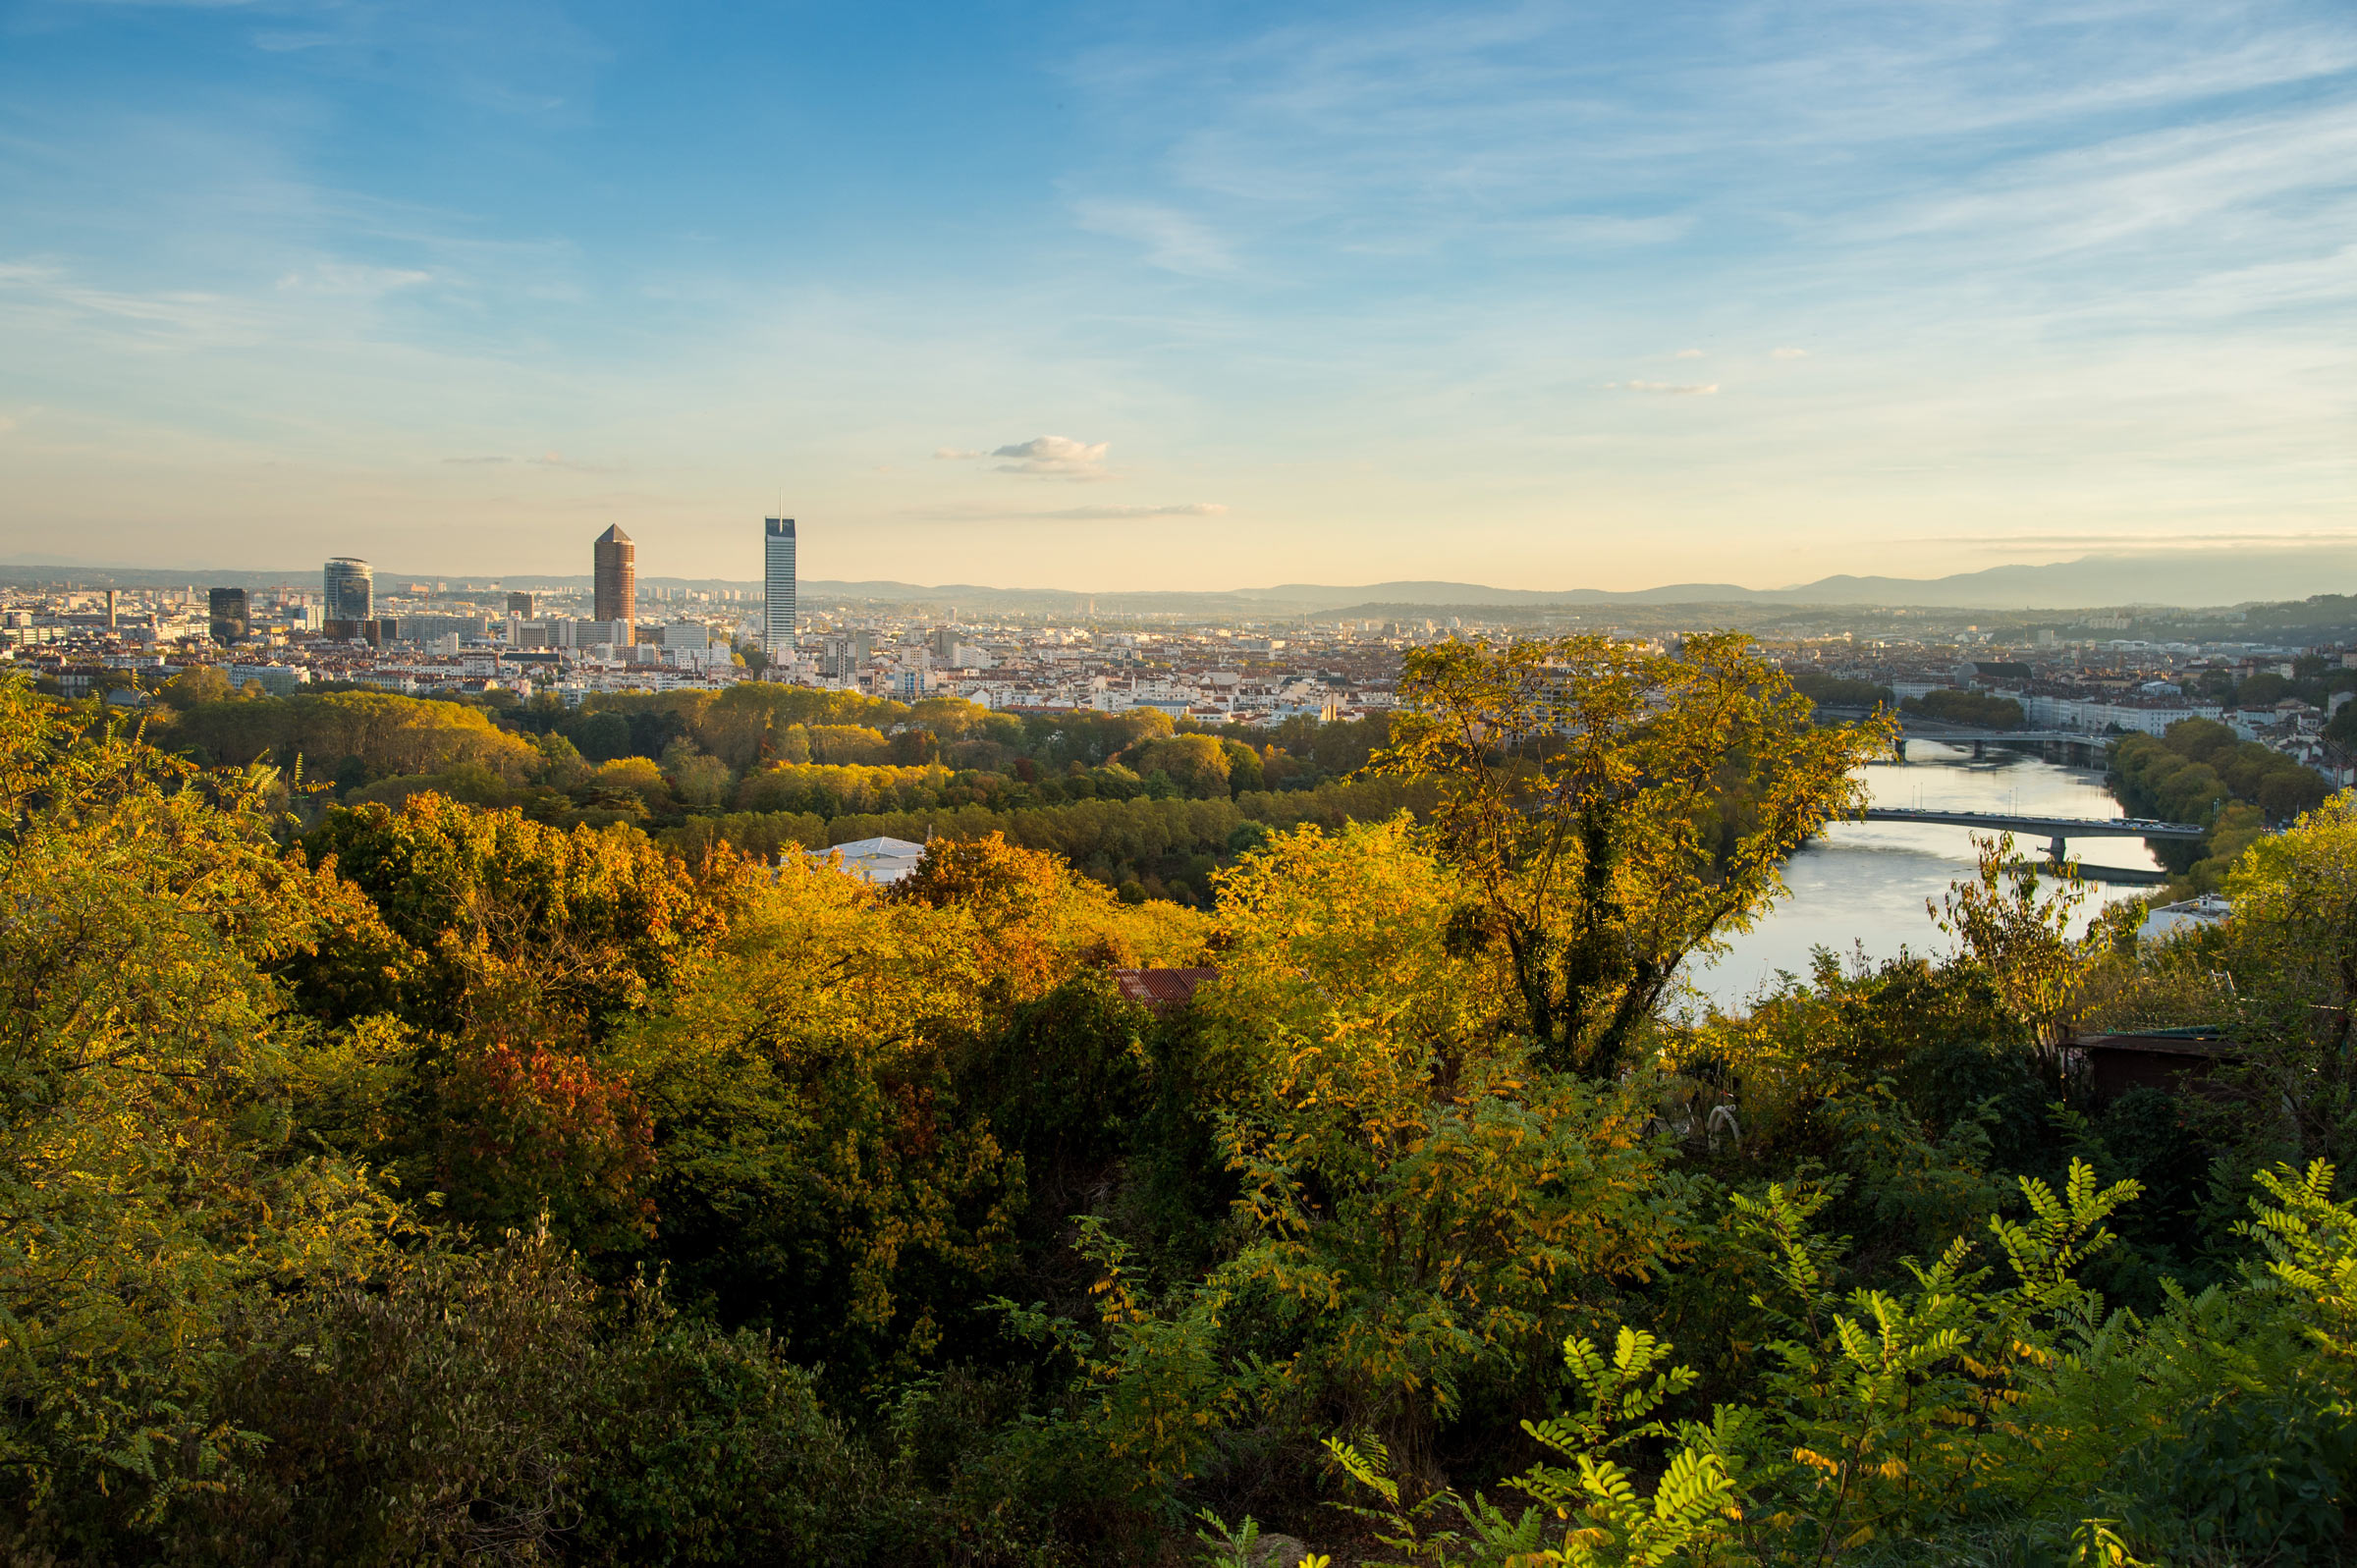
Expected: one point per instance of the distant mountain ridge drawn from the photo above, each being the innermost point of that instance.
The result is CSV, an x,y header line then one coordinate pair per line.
x,y
2176,579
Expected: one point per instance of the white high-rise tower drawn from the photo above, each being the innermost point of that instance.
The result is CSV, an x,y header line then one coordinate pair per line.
x,y
777,587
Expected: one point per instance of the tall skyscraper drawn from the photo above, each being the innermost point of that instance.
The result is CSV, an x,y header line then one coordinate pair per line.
x,y
351,590
617,582
521,606
232,616
777,588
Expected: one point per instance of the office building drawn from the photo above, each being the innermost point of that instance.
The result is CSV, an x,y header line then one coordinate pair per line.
x,y
777,588
278,681
520,605
616,560
586,634
842,654
233,619
351,590
427,631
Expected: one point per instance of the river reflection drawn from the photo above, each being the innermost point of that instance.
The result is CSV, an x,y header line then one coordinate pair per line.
x,y
1866,882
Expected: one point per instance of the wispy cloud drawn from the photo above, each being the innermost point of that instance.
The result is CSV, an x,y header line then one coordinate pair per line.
x,y
546,460
348,279
180,317
1171,239
1675,389
1189,509
1604,231
1788,354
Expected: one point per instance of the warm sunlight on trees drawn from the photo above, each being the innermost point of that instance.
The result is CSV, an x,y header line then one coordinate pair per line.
x,y
2013,922
153,1185
1616,810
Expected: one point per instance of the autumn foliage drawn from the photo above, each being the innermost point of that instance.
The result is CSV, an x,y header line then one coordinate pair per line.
x,y
425,1180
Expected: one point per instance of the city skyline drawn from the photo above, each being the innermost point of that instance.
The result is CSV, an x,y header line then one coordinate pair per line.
x,y
1183,298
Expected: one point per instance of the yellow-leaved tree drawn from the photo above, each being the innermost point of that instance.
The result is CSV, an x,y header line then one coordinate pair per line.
x,y
153,1187
1616,809
815,1169
1422,1210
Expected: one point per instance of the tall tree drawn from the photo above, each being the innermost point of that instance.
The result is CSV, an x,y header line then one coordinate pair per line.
x,y
1616,809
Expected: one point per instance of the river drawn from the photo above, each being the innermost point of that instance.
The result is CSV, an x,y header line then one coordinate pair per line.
x,y
1865,883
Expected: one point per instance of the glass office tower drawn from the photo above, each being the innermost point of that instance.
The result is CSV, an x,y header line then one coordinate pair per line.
x,y
351,590
777,587
231,619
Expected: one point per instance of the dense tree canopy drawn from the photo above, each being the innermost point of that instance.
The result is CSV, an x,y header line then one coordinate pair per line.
x,y
436,1181
1617,810
2199,772
1978,710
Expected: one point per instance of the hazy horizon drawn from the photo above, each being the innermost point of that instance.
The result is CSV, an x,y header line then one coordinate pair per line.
x,y
2154,579
1179,298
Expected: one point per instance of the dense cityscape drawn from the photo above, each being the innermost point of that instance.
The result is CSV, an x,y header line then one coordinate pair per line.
x,y
2065,672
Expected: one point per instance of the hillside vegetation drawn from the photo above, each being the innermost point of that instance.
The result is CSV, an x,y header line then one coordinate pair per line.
x,y
765,766
424,1181
2199,772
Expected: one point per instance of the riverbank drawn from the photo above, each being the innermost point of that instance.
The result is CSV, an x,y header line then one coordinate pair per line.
x,y
1862,887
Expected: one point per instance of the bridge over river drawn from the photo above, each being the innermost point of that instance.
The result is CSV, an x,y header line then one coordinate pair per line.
x,y
2082,746
2057,830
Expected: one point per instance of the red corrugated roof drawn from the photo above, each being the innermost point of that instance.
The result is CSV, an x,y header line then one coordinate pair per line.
x,y
1162,990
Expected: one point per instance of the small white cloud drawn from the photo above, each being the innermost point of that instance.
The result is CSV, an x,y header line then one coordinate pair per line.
x,y
1687,353
1675,389
1789,354
1058,455
954,454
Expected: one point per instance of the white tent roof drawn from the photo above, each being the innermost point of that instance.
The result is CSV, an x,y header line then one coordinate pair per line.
x,y
878,860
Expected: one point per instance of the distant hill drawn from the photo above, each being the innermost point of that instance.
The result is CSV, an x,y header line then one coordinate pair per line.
x,y
2177,579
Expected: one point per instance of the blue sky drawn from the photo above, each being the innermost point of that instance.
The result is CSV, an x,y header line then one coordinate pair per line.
x,y
1190,295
